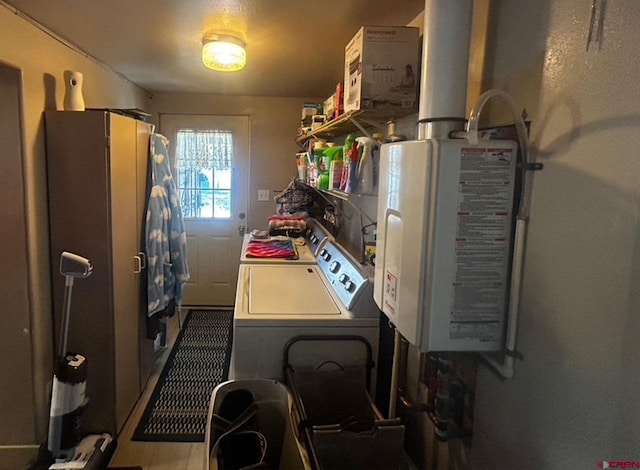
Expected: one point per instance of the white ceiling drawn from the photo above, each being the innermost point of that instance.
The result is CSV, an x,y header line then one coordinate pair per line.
x,y
294,47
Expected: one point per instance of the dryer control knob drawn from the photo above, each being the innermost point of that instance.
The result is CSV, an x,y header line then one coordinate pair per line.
x,y
350,286
343,278
335,267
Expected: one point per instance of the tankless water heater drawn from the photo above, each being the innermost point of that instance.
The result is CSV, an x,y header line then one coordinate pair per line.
x,y
445,218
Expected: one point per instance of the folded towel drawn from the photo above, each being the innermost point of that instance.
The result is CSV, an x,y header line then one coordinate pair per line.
x,y
284,223
282,249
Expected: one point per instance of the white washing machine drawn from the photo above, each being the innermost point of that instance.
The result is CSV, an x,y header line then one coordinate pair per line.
x,y
278,302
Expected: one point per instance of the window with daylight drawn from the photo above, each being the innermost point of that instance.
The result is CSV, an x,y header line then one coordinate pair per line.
x,y
204,159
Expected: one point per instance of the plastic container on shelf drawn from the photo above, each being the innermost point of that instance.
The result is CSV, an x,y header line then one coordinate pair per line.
x,y
302,163
323,181
328,155
350,162
335,174
365,165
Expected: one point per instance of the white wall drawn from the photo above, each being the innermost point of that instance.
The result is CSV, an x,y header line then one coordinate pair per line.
x,y
574,400
42,61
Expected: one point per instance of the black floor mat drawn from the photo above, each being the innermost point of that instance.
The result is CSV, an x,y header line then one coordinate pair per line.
x,y
177,410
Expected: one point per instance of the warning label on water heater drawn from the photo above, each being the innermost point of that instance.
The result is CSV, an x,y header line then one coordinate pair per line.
x,y
483,240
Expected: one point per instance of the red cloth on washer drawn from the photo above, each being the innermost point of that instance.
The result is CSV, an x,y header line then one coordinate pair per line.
x,y
282,249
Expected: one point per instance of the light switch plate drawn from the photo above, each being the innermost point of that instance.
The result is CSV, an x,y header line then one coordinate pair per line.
x,y
263,194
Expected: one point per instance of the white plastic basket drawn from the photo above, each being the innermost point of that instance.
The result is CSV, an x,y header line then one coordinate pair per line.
x,y
274,415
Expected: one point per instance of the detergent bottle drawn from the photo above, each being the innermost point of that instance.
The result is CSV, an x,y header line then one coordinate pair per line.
x,y
350,160
365,165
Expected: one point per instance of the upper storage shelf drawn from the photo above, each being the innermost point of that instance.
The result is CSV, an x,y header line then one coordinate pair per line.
x,y
353,121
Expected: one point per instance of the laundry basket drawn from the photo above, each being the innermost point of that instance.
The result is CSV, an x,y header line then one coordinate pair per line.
x,y
266,423
335,417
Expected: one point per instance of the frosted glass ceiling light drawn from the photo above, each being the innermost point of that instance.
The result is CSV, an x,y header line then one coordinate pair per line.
x,y
223,53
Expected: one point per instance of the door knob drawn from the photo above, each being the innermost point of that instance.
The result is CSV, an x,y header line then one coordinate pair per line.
x,y
242,229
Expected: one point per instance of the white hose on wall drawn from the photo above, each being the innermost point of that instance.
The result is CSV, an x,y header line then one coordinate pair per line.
x,y
506,367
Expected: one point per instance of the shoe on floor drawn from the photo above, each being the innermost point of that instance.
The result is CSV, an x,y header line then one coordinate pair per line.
x,y
241,450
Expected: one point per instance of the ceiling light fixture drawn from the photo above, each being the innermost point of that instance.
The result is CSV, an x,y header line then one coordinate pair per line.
x,y
223,53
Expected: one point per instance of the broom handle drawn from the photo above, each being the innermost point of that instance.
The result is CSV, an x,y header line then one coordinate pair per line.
x,y
66,313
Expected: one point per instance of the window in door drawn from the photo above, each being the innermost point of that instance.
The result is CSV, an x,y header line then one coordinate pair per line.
x,y
204,162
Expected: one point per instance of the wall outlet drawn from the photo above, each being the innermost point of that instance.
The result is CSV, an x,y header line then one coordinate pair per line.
x,y
263,194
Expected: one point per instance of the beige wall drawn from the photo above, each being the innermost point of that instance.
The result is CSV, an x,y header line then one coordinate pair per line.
x,y
574,399
274,122
42,61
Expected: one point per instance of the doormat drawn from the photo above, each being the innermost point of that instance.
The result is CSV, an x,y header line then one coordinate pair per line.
x,y
199,360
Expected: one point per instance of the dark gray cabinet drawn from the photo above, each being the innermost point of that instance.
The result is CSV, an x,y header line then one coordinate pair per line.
x,y
97,176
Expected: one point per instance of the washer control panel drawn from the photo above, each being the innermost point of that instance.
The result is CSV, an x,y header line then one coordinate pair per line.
x,y
316,235
343,273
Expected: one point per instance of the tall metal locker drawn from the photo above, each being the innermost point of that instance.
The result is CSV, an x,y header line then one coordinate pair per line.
x,y
97,176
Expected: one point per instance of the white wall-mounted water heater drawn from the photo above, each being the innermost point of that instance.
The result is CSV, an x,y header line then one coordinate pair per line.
x,y
445,219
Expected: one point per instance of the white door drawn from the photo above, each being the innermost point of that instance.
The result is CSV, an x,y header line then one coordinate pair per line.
x,y
210,163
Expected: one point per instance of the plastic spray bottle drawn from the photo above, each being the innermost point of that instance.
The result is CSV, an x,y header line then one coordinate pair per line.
x,y
365,165
350,159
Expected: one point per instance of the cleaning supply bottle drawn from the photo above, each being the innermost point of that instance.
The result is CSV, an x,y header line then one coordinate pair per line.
x,y
333,162
354,159
350,160
380,140
365,165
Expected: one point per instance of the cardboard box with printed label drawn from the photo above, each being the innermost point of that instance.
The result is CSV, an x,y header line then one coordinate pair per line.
x,y
381,68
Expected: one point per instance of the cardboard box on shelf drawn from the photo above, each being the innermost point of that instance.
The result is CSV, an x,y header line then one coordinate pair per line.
x,y
317,121
381,68
330,107
311,109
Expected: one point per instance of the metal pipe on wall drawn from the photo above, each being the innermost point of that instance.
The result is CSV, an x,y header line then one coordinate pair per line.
x,y
445,62
395,373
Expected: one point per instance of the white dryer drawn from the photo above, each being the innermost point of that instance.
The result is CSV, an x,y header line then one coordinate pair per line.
x,y
278,302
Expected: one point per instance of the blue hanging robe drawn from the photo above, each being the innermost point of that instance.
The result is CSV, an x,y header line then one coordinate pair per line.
x,y
166,240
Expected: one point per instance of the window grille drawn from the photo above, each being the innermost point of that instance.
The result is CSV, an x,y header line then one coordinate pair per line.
x,y
204,162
